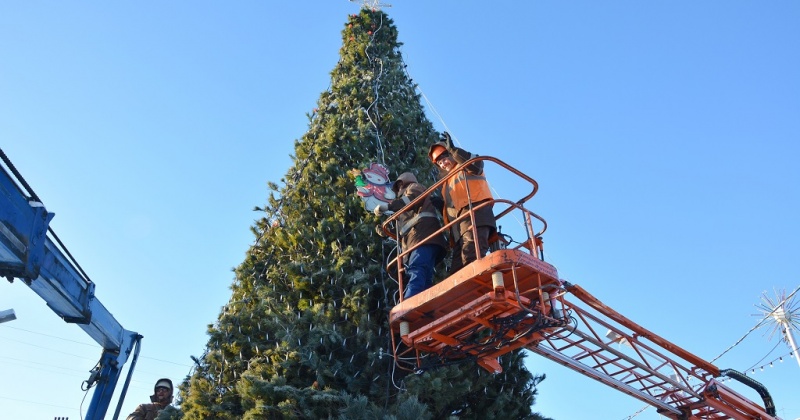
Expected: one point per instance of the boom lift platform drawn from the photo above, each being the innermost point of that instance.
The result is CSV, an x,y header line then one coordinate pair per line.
x,y
28,253
512,299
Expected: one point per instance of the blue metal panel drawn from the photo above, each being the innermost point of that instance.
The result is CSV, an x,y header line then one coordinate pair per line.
x,y
23,230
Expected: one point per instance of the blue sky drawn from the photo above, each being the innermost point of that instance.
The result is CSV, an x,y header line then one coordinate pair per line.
x,y
664,137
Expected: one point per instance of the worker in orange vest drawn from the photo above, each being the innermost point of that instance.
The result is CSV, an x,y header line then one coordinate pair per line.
x,y
467,189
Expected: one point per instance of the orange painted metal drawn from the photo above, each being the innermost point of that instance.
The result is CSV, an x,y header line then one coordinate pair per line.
x,y
451,317
731,403
640,331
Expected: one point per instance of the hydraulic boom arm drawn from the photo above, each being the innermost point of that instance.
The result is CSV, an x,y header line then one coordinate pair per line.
x,y
608,347
28,253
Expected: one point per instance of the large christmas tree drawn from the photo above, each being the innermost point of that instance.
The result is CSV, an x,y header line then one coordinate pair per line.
x,y
305,333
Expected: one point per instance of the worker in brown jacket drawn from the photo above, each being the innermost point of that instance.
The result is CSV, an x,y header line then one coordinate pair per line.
x,y
468,188
161,399
415,226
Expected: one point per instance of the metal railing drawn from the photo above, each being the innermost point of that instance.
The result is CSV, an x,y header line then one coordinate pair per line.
x,y
508,208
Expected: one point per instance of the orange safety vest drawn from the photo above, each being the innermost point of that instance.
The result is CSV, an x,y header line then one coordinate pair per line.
x,y
455,190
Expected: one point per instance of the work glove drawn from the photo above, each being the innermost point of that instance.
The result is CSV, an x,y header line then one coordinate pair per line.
x,y
380,209
379,231
448,142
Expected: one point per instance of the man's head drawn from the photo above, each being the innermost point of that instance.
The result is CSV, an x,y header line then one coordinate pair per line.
x,y
441,157
162,392
402,180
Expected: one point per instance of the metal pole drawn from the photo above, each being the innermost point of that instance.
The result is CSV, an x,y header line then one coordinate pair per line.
x,y
788,332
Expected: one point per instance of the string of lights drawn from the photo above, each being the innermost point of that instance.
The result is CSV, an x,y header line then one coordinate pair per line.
x,y
752,370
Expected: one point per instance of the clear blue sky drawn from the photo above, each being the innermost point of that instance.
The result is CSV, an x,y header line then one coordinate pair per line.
x,y
664,136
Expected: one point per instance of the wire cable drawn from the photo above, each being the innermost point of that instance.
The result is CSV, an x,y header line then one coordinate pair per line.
x,y
766,317
762,359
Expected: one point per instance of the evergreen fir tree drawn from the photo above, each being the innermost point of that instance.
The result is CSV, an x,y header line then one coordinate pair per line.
x,y
305,334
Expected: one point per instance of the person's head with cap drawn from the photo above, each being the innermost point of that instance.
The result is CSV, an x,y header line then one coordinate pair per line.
x,y
440,156
162,392
406,178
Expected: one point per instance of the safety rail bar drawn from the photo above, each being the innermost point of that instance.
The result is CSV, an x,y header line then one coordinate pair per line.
x,y
533,240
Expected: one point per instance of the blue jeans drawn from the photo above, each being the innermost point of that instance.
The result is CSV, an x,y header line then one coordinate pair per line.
x,y
419,269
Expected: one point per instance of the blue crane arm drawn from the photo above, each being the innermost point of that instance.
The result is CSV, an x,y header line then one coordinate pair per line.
x,y
29,254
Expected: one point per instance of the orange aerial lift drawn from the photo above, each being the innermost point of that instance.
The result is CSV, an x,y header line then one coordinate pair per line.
x,y
512,299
